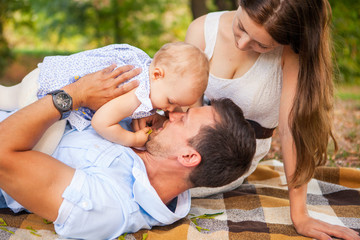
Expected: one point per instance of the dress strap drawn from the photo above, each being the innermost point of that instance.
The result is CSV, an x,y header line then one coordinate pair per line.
x,y
211,27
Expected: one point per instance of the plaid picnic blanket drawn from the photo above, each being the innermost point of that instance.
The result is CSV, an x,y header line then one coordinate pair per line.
x,y
259,209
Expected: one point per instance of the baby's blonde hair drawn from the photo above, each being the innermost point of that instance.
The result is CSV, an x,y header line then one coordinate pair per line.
x,y
184,59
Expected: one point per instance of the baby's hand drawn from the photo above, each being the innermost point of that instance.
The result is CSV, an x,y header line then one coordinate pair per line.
x,y
142,136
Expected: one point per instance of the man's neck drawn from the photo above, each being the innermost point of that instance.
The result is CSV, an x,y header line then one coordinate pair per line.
x,y
165,177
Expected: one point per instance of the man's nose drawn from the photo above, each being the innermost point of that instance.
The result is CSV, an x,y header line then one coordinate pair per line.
x,y
173,116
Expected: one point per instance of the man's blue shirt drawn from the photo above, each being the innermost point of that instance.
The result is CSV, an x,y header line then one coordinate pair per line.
x,y
110,193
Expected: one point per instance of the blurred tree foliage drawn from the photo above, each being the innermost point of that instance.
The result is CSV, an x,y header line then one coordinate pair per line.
x,y
346,36
7,8
74,25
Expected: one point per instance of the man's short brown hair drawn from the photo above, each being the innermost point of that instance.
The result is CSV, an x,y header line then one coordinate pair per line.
x,y
226,148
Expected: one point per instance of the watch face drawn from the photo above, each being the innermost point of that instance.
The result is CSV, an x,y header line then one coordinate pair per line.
x,y
63,101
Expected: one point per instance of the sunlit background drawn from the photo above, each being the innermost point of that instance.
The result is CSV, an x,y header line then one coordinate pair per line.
x,y
32,29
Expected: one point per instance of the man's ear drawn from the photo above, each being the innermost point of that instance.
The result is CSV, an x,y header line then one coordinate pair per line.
x,y
158,73
190,159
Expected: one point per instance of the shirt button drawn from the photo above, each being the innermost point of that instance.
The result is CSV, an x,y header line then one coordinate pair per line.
x,y
84,205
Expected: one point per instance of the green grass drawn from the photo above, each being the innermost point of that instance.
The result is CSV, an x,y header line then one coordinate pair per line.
x,y
348,92
348,96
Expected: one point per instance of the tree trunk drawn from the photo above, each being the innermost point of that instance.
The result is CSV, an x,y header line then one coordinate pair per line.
x,y
116,20
226,4
198,8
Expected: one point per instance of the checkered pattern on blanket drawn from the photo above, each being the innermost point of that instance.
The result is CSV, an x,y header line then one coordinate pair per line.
x,y
259,209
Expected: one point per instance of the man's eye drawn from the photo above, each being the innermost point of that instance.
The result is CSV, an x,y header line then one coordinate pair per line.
x,y
169,101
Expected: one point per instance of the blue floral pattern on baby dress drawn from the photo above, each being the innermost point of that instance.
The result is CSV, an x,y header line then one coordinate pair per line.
x,y
59,71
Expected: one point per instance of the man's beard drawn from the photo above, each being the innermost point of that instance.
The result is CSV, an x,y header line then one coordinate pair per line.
x,y
156,148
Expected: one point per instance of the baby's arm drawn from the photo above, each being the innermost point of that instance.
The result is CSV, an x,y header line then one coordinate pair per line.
x,y
106,121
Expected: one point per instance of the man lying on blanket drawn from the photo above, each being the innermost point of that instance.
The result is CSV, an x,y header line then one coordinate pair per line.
x,y
94,189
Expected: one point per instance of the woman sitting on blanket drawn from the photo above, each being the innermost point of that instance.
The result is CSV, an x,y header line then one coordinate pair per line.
x,y
273,59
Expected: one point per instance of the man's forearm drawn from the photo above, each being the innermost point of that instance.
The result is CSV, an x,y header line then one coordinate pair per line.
x,y
22,130
22,170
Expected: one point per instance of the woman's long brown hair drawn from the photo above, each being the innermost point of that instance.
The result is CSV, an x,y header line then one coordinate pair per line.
x,y
305,26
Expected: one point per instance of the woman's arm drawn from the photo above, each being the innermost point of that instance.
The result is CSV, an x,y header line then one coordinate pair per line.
x,y
106,121
303,223
195,33
195,36
37,180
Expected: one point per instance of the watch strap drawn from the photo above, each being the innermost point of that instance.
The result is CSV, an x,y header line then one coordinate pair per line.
x,y
63,114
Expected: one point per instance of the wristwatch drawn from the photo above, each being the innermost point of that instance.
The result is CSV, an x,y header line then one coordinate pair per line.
x,y
62,101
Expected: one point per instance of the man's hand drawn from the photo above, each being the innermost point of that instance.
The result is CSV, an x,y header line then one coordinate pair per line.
x,y
96,89
314,228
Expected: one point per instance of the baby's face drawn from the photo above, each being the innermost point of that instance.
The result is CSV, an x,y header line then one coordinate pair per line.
x,y
168,94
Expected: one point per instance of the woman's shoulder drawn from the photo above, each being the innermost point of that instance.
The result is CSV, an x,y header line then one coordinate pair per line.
x,y
225,22
199,22
227,15
290,68
288,56
195,32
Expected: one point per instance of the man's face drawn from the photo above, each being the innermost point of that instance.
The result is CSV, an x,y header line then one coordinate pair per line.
x,y
178,129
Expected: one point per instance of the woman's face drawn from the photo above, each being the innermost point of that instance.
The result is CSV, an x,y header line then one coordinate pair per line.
x,y
250,36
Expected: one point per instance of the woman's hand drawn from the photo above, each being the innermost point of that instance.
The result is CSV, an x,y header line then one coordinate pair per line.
x,y
308,226
314,228
96,89
154,121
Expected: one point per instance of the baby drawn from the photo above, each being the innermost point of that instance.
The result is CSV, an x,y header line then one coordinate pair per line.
x,y
177,76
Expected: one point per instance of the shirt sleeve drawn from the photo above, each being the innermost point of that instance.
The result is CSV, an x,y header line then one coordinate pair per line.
x,y
90,209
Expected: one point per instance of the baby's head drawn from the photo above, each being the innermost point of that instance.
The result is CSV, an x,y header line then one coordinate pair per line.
x,y
178,76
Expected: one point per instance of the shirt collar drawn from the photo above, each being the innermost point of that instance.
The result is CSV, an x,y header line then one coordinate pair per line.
x,y
146,196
